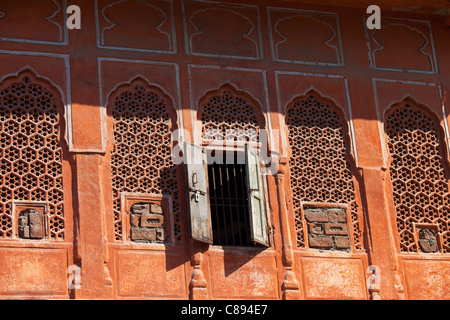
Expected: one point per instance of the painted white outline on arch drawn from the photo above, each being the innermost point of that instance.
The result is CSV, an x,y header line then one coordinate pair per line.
x,y
171,37
202,31
177,105
429,40
63,32
194,106
219,5
442,118
65,98
306,13
282,109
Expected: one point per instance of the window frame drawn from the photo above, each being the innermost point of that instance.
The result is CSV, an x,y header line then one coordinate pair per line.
x,y
258,238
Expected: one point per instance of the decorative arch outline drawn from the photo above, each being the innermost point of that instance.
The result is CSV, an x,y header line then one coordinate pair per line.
x,y
140,147
313,93
322,169
253,112
419,172
35,150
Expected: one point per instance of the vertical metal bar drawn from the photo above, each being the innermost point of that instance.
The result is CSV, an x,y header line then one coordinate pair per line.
x,y
245,198
230,200
213,198
237,197
223,201
229,203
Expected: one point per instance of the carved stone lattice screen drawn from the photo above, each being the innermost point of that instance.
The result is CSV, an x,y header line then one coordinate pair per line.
x,y
31,155
141,159
229,115
418,173
319,169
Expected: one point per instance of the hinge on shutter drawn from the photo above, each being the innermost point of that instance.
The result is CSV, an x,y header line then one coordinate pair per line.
x,y
196,193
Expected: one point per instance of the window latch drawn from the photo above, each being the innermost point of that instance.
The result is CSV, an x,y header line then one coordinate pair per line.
x,y
196,194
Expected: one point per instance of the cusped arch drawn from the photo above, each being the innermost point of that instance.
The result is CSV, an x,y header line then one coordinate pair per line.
x,y
28,76
141,121
418,169
332,115
314,94
45,28
228,108
307,39
320,169
32,123
141,92
412,103
419,111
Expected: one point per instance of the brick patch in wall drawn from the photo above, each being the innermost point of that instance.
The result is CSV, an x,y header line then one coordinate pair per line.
x,y
147,223
31,224
327,228
428,238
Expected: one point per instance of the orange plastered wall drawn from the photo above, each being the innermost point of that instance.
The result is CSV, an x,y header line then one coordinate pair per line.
x,y
316,79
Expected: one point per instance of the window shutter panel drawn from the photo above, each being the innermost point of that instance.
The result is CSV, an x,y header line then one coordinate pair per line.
x,y
257,206
198,193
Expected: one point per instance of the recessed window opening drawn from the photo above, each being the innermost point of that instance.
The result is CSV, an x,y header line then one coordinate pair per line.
x,y
229,200
226,196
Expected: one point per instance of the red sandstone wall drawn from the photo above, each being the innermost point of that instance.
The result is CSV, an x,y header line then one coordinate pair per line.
x,y
182,48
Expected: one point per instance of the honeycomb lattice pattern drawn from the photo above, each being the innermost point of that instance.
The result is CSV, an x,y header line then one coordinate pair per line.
x,y
141,159
420,187
229,116
31,156
319,170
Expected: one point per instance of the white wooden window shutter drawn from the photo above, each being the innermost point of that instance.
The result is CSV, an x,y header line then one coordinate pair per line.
x,y
257,206
198,194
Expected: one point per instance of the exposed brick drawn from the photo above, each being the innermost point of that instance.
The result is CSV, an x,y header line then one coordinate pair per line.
x,y
427,241
337,215
140,208
320,242
152,220
315,228
36,223
342,242
161,234
135,220
336,229
23,219
143,234
428,246
24,232
316,215
155,208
